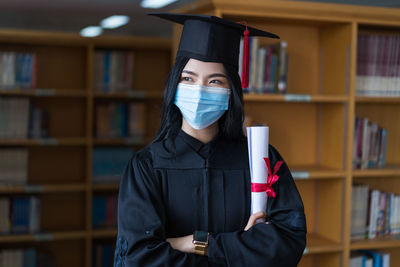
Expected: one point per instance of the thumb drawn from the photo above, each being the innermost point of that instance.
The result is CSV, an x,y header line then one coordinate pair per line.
x,y
253,218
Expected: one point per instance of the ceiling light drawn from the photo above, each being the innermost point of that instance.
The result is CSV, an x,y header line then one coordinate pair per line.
x,y
91,31
114,21
156,3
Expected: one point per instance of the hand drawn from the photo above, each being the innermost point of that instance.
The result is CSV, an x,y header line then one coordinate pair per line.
x,y
183,244
253,219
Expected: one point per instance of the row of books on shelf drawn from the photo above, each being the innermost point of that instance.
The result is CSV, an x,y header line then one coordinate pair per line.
x,y
369,146
103,255
25,258
113,70
109,163
268,67
378,65
115,120
21,119
105,211
17,70
374,213
20,214
369,258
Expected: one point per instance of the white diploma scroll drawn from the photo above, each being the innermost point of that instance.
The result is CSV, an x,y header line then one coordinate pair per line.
x,y
257,139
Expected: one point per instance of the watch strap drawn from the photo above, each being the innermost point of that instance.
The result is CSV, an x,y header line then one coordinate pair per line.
x,y
200,241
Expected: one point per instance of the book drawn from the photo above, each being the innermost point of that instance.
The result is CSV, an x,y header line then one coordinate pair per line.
x,y
109,163
104,207
121,120
377,65
268,67
369,144
113,71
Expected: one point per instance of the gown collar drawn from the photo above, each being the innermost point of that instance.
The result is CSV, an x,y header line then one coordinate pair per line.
x,y
183,151
203,149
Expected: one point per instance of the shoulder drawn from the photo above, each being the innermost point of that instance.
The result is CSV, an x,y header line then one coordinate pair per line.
x,y
142,159
274,154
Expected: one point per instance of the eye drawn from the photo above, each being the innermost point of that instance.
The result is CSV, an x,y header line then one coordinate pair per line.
x,y
186,79
218,83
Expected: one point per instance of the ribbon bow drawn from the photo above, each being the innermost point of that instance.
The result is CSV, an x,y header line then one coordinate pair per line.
x,y
271,179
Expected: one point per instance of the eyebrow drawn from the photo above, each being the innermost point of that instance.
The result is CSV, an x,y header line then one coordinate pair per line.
x,y
209,76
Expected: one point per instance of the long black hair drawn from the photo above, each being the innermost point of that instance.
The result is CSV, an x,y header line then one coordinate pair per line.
x,y
230,124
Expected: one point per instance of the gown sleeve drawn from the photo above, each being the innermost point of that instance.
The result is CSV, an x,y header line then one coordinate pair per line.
x,y
281,242
141,239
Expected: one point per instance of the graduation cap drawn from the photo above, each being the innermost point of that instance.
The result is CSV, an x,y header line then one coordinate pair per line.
x,y
212,39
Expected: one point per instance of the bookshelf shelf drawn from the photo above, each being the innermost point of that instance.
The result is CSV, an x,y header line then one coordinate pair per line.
x,y
302,98
379,243
135,94
104,233
44,93
105,187
44,142
42,188
315,172
41,237
319,244
119,141
382,172
377,99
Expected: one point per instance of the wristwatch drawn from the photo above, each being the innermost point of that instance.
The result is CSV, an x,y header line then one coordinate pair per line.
x,y
200,241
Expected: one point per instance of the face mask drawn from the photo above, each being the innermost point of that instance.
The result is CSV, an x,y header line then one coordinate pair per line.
x,y
200,105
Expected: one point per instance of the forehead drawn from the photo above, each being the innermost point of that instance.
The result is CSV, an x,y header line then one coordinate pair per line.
x,y
204,68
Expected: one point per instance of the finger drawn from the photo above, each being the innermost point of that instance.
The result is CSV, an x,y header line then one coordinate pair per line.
x,y
253,218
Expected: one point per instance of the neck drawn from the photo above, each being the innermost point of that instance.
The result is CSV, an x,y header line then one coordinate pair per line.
x,y
204,135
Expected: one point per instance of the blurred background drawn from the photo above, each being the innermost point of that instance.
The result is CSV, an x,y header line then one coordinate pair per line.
x,y
81,85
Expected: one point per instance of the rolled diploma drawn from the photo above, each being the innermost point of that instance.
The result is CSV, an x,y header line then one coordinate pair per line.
x,y
258,140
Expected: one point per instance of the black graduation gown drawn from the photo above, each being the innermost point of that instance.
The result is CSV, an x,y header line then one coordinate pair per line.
x,y
174,187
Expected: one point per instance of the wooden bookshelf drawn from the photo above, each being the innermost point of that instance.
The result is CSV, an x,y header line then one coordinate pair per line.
x,y
312,125
60,165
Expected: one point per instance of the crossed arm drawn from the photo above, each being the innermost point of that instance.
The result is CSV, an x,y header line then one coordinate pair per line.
x,y
185,244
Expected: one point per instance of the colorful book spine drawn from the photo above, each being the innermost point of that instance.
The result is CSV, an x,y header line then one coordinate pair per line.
x,y
369,144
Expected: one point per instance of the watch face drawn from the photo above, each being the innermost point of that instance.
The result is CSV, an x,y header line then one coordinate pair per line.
x,y
201,236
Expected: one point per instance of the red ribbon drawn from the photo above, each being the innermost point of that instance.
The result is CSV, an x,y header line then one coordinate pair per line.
x,y
271,179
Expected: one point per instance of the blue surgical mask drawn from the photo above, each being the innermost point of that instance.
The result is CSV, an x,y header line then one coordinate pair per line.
x,y
200,105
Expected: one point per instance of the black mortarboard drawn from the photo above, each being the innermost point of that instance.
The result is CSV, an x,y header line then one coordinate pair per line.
x,y
212,39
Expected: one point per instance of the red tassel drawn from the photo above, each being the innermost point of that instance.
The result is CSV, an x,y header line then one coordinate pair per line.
x,y
245,62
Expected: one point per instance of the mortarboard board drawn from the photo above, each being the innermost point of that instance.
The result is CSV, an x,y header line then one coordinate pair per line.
x,y
212,39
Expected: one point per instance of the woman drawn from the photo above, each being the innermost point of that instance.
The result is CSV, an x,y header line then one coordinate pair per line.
x,y
185,199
